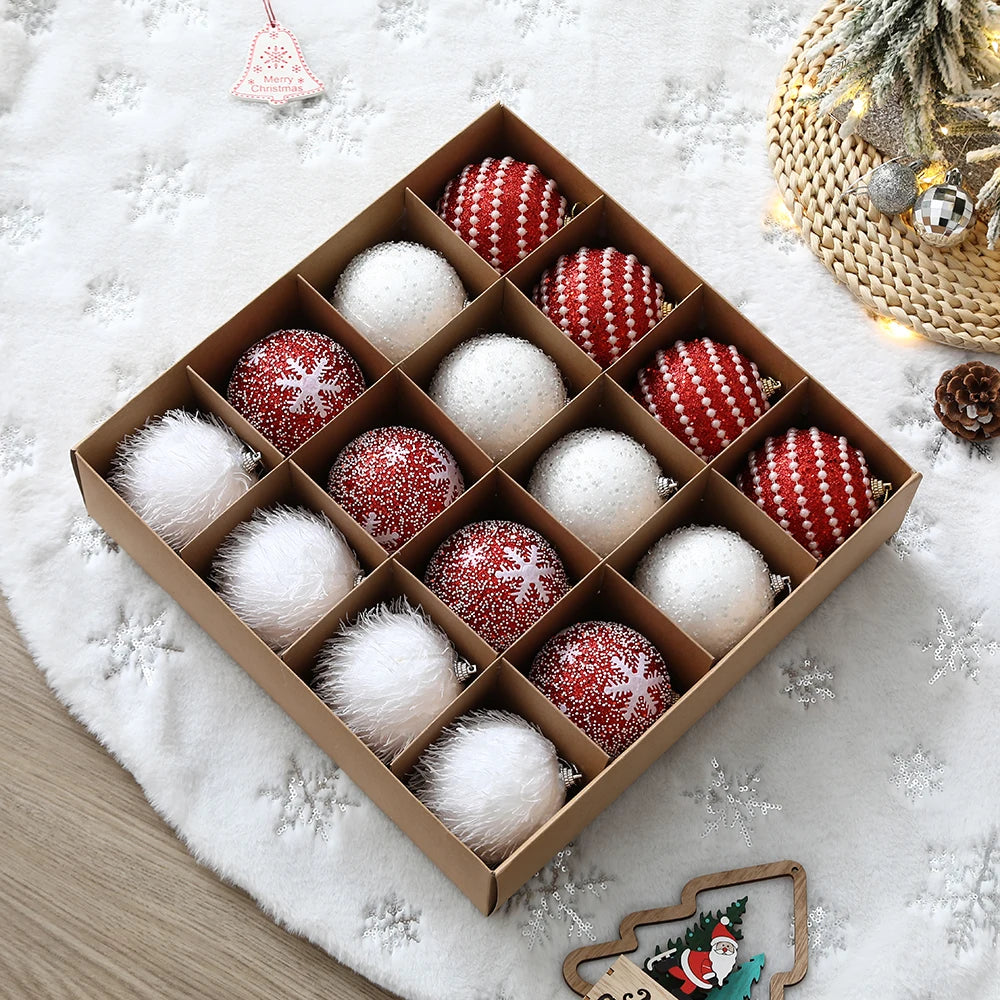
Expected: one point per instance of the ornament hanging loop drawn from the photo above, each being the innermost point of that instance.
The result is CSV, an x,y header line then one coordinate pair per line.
x,y
269,11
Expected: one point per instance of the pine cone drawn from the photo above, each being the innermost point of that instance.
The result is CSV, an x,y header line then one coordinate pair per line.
x,y
967,401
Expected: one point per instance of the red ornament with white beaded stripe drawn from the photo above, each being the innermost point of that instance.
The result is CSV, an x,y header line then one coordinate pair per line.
x,y
603,300
815,485
503,209
705,393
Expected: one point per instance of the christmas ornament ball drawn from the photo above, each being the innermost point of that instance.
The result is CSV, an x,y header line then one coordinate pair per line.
x,y
711,582
282,570
607,678
503,208
493,779
398,294
603,300
393,481
498,576
815,485
292,383
388,674
180,471
602,484
704,392
499,390
892,187
944,214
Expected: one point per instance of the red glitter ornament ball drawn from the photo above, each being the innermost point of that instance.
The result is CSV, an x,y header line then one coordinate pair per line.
x,y
291,383
499,576
395,480
503,209
603,300
815,485
704,392
606,677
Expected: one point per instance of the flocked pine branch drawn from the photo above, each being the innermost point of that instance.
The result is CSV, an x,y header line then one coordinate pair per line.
x,y
911,50
979,111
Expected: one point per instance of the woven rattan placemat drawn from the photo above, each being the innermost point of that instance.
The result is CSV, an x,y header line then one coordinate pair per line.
x,y
948,295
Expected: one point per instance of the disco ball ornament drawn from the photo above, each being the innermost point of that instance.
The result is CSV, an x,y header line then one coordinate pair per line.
x,y
815,485
944,214
388,674
711,582
603,300
292,383
892,186
607,678
602,484
393,481
398,295
503,209
499,390
498,576
282,570
181,471
493,779
705,393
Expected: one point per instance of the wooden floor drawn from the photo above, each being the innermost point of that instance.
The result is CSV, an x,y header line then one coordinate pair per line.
x,y
99,899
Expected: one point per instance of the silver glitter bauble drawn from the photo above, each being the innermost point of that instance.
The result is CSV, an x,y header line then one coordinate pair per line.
x,y
711,582
398,295
892,187
499,390
944,214
601,484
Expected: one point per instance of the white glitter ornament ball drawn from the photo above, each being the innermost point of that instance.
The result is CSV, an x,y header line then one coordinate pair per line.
x,y
389,674
493,779
499,390
399,294
180,471
602,484
282,570
711,582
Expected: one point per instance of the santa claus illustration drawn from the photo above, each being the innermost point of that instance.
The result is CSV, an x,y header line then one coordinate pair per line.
x,y
701,970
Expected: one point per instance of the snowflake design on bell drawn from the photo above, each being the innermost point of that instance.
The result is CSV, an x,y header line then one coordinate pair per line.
x,y
275,56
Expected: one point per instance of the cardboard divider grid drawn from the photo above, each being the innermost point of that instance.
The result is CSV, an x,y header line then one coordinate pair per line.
x,y
396,394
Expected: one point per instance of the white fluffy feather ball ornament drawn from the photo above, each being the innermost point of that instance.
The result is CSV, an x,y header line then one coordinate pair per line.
x,y
493,779
398,294
180,471
601,484
499,390
710,581
389,674
282,570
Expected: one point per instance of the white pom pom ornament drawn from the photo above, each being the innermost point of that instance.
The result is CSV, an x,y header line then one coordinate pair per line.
x,y
499,390
710,581
601,484
398,295
282,570
180,471
389,674
493,779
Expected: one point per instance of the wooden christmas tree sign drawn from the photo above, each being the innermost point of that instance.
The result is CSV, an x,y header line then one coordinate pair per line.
x,y
703,963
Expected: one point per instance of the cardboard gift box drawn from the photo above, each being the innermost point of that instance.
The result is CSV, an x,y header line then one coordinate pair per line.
x,y
397,394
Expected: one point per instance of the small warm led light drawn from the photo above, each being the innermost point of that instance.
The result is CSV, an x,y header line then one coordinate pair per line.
x,y
944,129
781,215
933,174
895,329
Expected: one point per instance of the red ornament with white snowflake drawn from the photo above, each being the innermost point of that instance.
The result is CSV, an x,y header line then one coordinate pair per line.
x,y
815,485
291,383
498,576
705,393
607,678
395,480
603,300
503,209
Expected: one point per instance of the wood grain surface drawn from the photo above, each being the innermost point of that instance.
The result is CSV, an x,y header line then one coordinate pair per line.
x,y
98,898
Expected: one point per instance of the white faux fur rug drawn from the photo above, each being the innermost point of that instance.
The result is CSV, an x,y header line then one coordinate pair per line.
x,y
141,207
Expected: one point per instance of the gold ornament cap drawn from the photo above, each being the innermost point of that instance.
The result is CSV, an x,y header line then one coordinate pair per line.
x,y
880,491
770,386
569,775
250,460
464,670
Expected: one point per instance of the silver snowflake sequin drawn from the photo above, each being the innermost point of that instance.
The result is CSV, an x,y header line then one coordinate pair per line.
x,y
826,927
556,895
496,86
402,19
959,647
190,12
111,300
917,773
964,884
158,187
88,538
310,798
19,224
117,90
533,15
34,16
137,643
17,449
391,923
912,536
808,681
733,803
